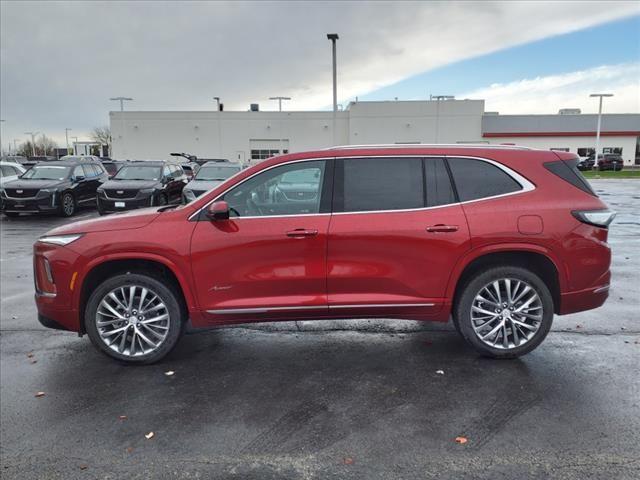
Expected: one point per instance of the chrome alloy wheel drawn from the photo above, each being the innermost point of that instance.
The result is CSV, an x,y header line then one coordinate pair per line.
x,y
506,313
132,320
67,205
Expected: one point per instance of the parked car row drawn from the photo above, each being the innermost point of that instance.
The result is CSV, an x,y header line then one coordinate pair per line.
x,y
608,161
112,186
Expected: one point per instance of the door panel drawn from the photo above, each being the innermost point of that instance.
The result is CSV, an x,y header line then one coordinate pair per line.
x,y
392,258
257,264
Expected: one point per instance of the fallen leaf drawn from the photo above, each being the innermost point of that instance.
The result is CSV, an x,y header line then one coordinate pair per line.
x,y
39,394
122,417
578,326
169,373
129,449
348,461
34,361
440,372
461,440
149,435
30,355
83,467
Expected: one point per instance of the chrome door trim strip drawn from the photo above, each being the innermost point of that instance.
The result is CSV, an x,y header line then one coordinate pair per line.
x,y
264,309
226,311
379,305
526,185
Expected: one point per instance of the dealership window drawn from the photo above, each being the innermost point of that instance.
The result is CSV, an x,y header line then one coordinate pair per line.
x,y
586,151
476,179
616,150
263,154
373,184
293,189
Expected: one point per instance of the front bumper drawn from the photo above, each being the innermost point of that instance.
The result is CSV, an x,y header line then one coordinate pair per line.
x,y
39,204
111,205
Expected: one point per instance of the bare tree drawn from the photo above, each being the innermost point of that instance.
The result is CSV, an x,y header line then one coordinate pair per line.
x,y
102,135
44,146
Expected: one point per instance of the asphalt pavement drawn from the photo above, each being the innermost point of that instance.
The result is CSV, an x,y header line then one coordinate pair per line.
x,y
374,399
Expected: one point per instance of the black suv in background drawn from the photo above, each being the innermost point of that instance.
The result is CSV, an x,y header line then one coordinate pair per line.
x,y
55,187
144,183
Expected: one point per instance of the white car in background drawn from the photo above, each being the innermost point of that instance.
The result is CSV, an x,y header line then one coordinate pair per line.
x,y
10,171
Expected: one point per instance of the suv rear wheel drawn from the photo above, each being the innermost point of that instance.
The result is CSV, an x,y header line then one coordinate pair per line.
x,y
504,312
135,318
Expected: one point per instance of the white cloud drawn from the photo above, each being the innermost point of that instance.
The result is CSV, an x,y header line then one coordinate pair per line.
x,y
61,61
568,90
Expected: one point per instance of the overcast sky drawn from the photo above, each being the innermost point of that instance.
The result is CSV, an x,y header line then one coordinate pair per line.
x,y
61,61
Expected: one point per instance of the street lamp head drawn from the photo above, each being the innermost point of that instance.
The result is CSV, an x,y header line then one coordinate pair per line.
x,y
332,36
601,95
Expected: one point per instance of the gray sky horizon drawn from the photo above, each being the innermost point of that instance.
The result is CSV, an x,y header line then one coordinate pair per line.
x,y
61,61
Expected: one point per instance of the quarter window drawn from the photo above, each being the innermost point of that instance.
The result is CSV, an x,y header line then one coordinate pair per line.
x,y
373,184
293,189
476,179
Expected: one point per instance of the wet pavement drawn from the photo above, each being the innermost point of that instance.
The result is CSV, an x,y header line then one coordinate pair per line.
x,y
316,400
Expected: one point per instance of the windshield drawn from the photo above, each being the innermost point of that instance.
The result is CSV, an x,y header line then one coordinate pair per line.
x,y
138,172
216,173
47,173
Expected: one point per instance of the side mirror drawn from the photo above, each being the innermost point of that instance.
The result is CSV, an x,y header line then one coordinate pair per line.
x,y
218,211
79,178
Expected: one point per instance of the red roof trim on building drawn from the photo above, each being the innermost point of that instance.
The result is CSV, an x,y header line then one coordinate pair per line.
x,y
562,134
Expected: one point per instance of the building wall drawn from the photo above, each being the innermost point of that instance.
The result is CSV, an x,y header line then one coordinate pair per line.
x,y
627,143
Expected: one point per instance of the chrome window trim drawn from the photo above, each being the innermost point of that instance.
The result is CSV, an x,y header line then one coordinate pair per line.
x,y
526,185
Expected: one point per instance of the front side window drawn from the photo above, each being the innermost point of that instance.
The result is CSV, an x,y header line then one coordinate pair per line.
x,y
373,184
293,189
78,171
476,179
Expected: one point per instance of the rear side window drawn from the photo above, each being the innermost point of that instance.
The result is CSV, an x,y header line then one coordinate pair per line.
x,y
439,189
568,171
476,179
371,184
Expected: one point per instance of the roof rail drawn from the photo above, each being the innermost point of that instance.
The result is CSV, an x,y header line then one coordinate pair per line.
x,y
433,145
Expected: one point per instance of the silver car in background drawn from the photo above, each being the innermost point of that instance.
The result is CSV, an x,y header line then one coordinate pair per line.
x,y
210,175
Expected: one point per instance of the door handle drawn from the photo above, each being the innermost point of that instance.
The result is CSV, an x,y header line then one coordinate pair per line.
x,y
441,228
302,232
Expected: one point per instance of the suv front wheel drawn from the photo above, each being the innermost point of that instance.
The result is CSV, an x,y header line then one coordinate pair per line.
x,y
504,312
135,318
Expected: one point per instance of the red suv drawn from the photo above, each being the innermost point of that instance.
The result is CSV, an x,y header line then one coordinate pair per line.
x,y
498,238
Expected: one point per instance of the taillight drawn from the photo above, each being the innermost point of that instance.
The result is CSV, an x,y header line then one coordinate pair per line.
x,y
599,218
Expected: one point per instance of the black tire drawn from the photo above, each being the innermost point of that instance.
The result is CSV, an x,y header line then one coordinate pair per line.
x,y
11,214
462,310
167,294
67,205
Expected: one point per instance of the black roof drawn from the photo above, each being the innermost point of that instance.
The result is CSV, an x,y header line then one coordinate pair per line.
x,y
63,163
150,163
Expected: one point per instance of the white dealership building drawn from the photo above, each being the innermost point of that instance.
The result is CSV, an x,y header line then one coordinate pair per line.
x,y
253,135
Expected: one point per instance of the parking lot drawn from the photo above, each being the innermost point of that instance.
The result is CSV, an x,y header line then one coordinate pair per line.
x,y
358,399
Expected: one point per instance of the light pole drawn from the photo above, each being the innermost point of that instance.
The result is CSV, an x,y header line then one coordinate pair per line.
x,y
15,145
66,136
595,163
280,110
33,141
334,37
122,100
438,98
219,114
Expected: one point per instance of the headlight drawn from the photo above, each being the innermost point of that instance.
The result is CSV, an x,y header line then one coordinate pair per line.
x,y
189,195
147,191
60,239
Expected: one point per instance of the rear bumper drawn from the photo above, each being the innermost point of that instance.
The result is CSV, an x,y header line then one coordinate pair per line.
x,y
586,299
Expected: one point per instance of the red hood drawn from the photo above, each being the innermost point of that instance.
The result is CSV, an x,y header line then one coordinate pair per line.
x,y
117,221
